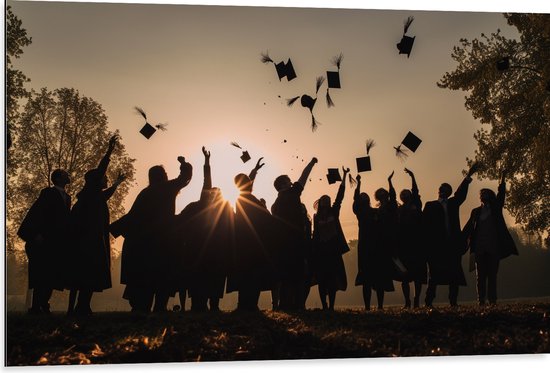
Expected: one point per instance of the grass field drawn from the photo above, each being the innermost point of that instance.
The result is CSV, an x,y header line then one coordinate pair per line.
x,y
117,337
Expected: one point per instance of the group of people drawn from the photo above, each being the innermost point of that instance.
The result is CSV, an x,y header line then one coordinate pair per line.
x,y
209,249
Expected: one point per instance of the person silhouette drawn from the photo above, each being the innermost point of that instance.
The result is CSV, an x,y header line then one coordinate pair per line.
x,y
489,241
386,243
45,230
369,275
410,249
289,210
91,267
444,240
329,244
253,267
148,252
206,231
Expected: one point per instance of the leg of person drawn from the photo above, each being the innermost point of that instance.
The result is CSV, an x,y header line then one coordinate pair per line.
x,y
182,293
481,277
430,293
331,299
492,270
72,300
36,300
367,296
83,305
275,296
161,301
453,295
214,303
417,292
380,299
45,305
405,287
323,295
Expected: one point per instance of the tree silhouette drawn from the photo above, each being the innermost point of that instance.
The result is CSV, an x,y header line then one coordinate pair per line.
x,y
508,85
16,39
60,129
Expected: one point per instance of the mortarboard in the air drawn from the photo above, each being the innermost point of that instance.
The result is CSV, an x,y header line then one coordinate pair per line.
x,y
503,64
245,157
363,163
406,43
148,129
333,78
309,102
283,69
411,141
333,175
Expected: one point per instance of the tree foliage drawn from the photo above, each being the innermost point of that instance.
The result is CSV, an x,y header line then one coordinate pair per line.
x,y
16,39
513,106
61,129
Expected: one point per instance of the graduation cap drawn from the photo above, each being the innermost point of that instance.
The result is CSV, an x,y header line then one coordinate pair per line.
x,y
333,77
333,175
411,141
503,64
245,157
309,102
283,69
406,43
363,163
148,129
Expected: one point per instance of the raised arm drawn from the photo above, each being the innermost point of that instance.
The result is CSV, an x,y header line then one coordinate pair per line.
x,y
501,194
462,190
104,163
391,189
108,193
357,195
186,173
255,170
414,190
307,170
341,190
207,183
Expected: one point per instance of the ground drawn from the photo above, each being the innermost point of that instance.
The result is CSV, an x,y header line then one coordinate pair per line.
x,y
119,337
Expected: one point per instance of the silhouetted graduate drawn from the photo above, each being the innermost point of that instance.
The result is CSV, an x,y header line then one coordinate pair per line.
x,y
444,241
329,244
91,268
489,241
207,239
411,249
148,253
309,102
45,230
386,242
253,266
406,43
367,243
291,256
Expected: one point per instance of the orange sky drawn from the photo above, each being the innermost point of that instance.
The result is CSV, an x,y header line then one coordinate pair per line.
x,y
198,68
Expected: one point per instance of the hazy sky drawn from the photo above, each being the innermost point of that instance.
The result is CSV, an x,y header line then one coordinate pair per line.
x,y
198,68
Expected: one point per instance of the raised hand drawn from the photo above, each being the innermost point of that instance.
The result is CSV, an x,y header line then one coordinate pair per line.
x,y
206,154
473,169
409,172
314,160
112,142
391,176
358,178
346,170
259,164
120,178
